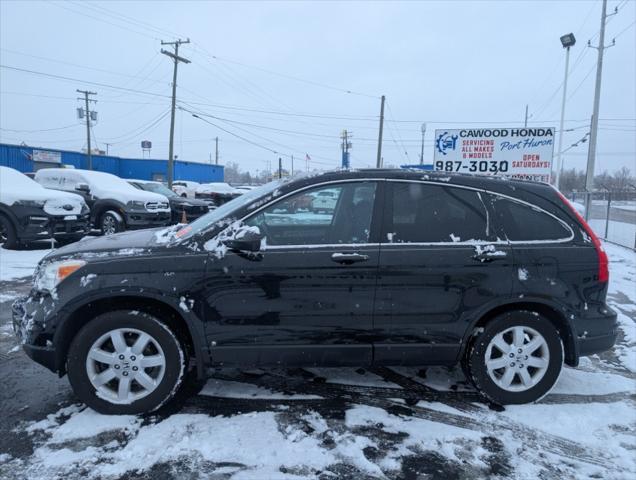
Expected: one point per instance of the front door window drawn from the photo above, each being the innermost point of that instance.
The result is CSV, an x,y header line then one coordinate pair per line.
x,y
335,214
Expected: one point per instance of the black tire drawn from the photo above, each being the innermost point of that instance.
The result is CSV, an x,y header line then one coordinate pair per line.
x,y
175,355
476,358
111,222
8,236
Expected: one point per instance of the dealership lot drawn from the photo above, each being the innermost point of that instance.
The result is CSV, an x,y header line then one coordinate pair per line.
x,y
326,423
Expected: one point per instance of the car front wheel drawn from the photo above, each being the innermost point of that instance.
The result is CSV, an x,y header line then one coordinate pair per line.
x,y
126,362
516,359
8,237
112,222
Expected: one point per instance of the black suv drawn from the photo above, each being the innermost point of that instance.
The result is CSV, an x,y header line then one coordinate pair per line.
x,y
30,212
179,206
501,276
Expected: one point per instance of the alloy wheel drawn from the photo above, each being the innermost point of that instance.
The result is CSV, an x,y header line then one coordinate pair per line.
x,y
108,225
517,358
125,365
4,234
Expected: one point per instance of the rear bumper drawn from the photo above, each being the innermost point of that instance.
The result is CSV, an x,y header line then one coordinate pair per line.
x,y
597,333
601,343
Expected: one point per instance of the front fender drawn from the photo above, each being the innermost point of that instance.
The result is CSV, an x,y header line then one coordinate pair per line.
x,y
68,320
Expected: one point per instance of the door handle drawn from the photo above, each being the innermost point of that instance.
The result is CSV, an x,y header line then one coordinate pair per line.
x,y
349,258
485,258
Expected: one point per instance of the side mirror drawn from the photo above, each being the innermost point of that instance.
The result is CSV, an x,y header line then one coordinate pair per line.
x,y
82,187
246,239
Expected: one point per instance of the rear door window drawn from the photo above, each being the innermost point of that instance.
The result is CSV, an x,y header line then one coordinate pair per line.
x,y
425,213
524,222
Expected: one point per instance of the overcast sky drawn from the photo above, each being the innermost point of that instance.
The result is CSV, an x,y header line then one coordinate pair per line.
x,y
277,74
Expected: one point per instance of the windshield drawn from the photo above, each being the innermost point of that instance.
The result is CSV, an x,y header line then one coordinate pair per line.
x,y
157,188
209,219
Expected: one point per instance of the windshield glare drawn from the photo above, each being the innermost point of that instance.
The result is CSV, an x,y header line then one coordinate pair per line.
x,y
209,219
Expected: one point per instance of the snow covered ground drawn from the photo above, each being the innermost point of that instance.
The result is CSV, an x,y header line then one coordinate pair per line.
x,y
329,423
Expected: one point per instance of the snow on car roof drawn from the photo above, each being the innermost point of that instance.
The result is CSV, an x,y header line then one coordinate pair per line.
x,y
220,187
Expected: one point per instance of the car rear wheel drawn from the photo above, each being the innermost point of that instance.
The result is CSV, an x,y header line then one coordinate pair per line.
x,y
126,362
8,237
516,359
111,223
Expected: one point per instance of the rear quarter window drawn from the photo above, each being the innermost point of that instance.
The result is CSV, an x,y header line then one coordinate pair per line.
x,y
524,222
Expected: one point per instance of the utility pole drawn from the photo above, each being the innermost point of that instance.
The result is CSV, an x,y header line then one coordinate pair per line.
x,y
107,145
176,58
87,112
280,167
525,122
378,163
422,151
345,145
591,153
216,150
292,166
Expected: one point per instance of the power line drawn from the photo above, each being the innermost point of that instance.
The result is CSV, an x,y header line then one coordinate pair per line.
x,y
74,125
71,79
256,144
284,75
85,67
406,153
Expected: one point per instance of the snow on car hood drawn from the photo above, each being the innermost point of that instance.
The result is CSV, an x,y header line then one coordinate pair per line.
x,y
15,186
134,242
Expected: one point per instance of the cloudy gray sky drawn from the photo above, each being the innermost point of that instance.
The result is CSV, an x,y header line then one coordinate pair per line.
x,y
287,77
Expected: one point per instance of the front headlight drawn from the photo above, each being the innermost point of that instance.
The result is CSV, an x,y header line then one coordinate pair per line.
x,y
49,276
136,204
30,203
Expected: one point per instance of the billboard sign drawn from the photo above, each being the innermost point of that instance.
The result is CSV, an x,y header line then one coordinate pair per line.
x,y
46,156
524,153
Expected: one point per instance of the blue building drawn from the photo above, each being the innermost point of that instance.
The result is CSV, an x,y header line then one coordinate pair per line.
x,y
30,159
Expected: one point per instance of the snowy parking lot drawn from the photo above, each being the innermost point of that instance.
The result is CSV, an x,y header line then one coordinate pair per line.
x,y
326,423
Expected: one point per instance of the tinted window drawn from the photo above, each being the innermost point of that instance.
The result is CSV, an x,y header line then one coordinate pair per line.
x,y
523,222
430,213
326,215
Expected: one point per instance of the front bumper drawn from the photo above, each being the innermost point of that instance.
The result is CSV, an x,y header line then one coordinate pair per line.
x,y
192,213
35,227
144,219
29,326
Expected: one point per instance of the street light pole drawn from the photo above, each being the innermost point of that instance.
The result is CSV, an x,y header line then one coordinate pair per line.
x,y
567,41
422,150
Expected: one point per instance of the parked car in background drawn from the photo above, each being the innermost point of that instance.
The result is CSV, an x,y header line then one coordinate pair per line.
x,y
185,188
115,204
192,207
28,212
324,201
501,276
216,194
